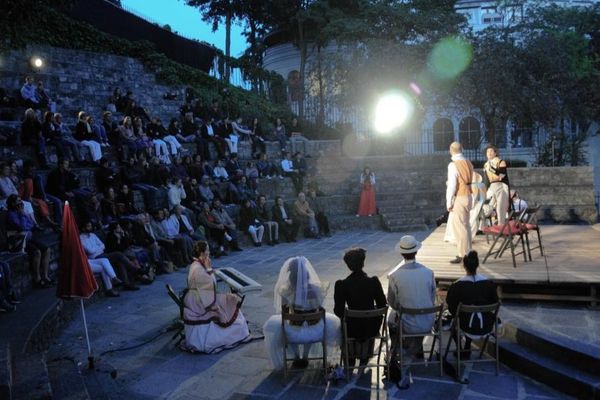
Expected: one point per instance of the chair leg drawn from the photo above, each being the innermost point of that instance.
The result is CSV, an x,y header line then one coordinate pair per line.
x,y
539,235
285,363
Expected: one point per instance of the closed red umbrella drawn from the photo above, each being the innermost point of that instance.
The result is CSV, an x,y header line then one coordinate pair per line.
x,y
75,277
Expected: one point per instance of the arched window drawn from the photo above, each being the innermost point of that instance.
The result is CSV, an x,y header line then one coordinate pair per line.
x,y
443,134
469,133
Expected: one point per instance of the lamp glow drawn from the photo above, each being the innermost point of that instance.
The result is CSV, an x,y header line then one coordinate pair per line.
x,y
37,62
392,111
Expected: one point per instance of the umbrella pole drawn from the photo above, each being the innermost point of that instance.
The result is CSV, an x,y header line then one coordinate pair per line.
x,y
87,337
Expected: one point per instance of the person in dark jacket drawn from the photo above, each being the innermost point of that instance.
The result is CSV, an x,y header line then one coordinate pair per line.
x,y
358,291
283,216
64,184
31,134
250,224
472,289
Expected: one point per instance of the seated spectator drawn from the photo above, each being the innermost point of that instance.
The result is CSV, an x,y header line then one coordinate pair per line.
x,y
206,193
114,100
28,95
103,267
67,138
240,130
31,135
258,139
193,200
8,296
299,164
298,290
119,238
358,291
191,133
230,136
472,289
43,98
266,168
35,245
222,218
178,225
213,321
32,188
262,214
175,130
109,207
518,204
411,285
215,112
95,249
126,202
282,215
296,136
64,184
305,216
156,174
137,111
209,135
111,128
144,237
250,224
251,174
289,170
280,135
164,143
233,167
178,170
143,141
215,232
176,192
85,135
90,210
54,137
240,191
316,205
105,176
178,248
128,137
8,188
220,173
99,131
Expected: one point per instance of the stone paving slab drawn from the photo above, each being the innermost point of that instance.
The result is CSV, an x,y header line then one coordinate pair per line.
x,y
158,370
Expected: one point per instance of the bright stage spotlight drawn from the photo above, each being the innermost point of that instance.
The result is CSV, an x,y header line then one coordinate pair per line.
x,y
392,111
37,62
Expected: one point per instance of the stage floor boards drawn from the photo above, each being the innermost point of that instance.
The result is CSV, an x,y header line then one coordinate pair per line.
x,y
572,256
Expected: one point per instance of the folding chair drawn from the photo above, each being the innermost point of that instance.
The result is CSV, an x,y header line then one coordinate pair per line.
x,y
299,320
508,231
529,224
465,311
435,332
382,336
178,326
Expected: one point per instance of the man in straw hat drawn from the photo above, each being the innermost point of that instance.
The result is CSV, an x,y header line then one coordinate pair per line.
x,y
411,285
458,199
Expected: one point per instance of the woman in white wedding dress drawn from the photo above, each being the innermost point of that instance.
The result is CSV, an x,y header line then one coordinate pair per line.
x,y
299,290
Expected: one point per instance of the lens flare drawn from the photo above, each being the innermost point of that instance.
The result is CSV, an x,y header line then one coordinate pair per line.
x,y
392,111
37,62
450,57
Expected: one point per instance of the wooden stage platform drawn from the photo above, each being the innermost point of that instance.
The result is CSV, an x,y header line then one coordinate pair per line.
x,y
569,269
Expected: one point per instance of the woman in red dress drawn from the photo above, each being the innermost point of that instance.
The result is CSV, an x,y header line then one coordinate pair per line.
x,y
366,206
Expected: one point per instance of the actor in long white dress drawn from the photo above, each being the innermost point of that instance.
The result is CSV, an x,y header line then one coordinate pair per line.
x,y
478,195
213,321
299,289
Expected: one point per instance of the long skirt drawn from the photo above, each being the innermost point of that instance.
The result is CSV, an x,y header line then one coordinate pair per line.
x,y
367,204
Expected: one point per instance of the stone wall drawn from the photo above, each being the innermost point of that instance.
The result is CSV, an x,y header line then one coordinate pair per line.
x,y
566,194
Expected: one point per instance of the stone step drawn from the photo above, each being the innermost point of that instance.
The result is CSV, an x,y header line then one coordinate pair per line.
x,y
547,370
31,377
351,222
560,348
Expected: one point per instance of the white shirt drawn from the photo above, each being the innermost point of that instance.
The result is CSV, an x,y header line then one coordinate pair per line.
x,y
287,165
176,194
220,172
412,285
452,180
209,130
91,244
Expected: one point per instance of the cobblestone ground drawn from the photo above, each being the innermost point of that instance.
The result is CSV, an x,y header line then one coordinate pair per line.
x,y
159,370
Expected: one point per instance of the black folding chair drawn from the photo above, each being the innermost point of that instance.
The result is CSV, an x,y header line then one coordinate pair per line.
x,y
178,325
